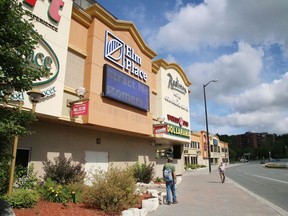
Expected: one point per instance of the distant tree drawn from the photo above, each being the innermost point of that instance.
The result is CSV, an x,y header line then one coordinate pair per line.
x,y
232,155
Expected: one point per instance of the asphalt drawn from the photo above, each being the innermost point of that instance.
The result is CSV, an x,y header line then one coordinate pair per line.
x,y
202,193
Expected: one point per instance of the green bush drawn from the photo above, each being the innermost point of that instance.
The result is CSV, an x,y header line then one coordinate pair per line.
x,y
22,198
143,172
158,179
4,174
25,178
275,165
64,171
193,166
52,192
112,191
76,191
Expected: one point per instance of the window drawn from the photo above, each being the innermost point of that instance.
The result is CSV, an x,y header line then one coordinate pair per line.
x,y
164,153
194,144
169,152
23,157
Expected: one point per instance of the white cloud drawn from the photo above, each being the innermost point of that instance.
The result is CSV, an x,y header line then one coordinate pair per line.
x,y
259,109
219,22
265,97
235,72
258,121
240,101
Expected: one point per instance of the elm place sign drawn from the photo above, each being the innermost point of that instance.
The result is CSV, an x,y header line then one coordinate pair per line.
x,y
123,56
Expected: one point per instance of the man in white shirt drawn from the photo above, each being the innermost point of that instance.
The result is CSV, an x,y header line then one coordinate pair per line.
x,y
221,169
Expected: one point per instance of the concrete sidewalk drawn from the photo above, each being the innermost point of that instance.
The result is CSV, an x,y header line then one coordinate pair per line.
x,y
203,194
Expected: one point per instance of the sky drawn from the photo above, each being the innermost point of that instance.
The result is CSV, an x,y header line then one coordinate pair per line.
x,y
242,44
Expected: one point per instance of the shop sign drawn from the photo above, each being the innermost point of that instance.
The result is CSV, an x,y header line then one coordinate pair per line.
x,y
178,131
79,109
179,120
54,8
44,56
176,103
123,56
19,96
175,84
160,129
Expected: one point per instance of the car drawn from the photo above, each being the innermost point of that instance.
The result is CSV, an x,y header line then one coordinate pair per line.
x,y
262,162
243,160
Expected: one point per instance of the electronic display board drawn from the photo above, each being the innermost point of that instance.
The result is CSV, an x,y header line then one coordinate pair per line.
x,y
123,88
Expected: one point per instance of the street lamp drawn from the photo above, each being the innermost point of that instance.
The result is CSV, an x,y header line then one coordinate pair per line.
x,y
207,131
34,95
161,119
80,91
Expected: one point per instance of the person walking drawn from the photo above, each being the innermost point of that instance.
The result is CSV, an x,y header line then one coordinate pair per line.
x,y
221,169
170,178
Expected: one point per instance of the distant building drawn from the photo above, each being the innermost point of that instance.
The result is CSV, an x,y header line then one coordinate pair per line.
x,y
254,140
196,152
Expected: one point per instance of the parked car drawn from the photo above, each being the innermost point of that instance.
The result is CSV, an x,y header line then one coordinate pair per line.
x,y
243,160
262,162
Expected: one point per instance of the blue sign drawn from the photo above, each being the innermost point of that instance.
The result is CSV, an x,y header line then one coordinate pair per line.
x,y
123,88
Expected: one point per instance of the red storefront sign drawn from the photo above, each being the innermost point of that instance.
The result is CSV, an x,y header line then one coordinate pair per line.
x,y
79,109
160,129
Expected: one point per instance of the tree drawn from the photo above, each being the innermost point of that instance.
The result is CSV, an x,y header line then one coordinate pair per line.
x,y
18,39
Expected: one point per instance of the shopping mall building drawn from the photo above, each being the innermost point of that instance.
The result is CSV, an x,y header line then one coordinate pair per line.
x,y
109,100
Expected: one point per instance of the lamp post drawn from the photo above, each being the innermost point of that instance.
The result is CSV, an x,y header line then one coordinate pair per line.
x,y
207,131
34,95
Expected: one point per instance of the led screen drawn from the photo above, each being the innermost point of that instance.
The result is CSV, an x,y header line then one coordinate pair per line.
x,y
121,87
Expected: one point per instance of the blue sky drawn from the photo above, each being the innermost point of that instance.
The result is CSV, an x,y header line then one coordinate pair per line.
x,y
243,44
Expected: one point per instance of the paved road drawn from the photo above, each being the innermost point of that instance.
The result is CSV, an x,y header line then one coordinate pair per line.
x,y
270,184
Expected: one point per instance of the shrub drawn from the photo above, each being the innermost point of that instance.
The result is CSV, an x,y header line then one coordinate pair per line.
x,y
158,179
76,191
52,192
22,198
112,191
64,171
25,178
275,165
193,166
4,174
143,172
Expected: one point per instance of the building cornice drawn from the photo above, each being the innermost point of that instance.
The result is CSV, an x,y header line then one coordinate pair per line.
x,y
81,17
95,11
162,63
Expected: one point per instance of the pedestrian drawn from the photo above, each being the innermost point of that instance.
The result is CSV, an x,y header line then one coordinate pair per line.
x,y
221,169
170,178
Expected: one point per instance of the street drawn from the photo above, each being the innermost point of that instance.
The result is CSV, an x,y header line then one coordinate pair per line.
x,y
270,184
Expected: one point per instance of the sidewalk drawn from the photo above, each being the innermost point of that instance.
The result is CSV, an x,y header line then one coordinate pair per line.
x,y
201,193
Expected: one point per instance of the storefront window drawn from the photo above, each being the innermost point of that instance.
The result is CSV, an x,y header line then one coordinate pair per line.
x,y
164,153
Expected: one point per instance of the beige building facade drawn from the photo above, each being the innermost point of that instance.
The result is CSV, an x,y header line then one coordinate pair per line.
x,y
116,122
